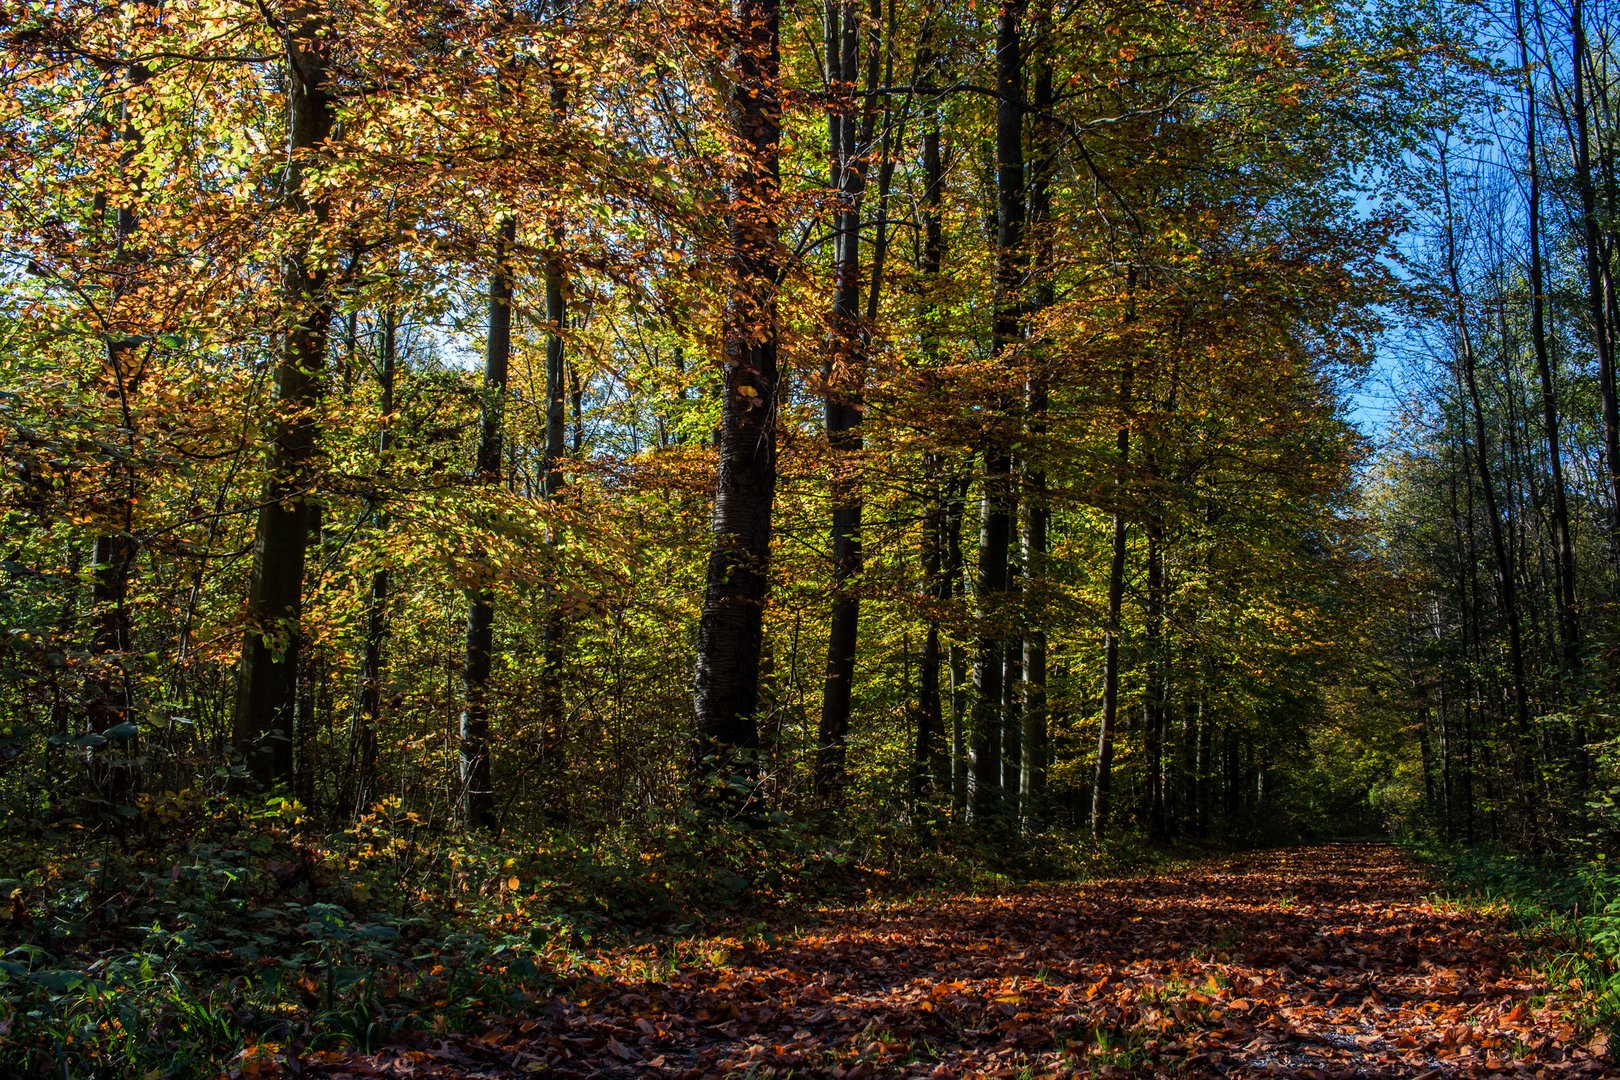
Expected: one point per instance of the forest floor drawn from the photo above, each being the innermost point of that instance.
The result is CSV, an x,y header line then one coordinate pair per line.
x,y
1330,961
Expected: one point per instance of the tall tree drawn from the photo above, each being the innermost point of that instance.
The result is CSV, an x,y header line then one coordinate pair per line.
x,y
1505,579
731,629
477,794
996,495
1037,513
1569,635
368,715
846,356
1592,252
114,552
1103,783
267,676
558,372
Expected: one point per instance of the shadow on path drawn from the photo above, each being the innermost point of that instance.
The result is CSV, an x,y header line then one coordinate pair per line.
x,y
1310,962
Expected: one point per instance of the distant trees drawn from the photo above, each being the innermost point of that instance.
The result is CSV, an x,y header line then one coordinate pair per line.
x,y
1503,443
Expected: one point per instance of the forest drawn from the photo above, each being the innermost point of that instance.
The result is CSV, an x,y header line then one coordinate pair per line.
x,y
590,537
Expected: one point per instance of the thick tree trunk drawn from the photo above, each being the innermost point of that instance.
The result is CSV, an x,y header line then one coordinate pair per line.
x,y
996,498
732,627
477,793
266,681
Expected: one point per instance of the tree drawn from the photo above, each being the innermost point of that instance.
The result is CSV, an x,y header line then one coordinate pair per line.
x,y
730,632
266,681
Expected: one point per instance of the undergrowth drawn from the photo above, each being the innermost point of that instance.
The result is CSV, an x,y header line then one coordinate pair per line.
x,y
1568,912
194,933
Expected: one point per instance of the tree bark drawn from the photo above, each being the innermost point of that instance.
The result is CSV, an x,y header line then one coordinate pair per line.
x,y
110,692
1032,751
363,741
477,792
1103,784
1154,698
995,506
936,583
731,630
266,682
842,374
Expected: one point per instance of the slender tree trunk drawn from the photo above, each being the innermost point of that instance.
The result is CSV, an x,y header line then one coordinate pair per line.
x,y
936,585
956,656
732,627
1592,253
930,714
1012,705
109,690
846,358
1102,786
267,677
996,500
1499,549
1032,756
1153,704
363,741
477,792
555,450
1569,635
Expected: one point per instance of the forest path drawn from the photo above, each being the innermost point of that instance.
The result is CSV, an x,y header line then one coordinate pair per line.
x,y
1328,961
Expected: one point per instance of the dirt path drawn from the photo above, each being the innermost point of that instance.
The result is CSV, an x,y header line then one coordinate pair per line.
x,y
1319,962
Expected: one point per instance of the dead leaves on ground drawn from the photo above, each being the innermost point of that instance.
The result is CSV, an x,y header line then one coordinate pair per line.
x,y
1321,962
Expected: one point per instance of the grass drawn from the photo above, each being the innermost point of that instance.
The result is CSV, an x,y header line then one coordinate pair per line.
x,y
1567,915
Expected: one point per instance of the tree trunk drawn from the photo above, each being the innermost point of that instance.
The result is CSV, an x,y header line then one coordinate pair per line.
x,y
109,690
477,793
956,656
846,358
363,741
1102,786
1032,751
936,583
557,391
1597,301
1499,549
995,507
1153,703
1012,705
732,627
1569,635
266,681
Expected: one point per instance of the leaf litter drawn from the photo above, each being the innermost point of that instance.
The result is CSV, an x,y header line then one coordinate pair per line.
x,y
1330,961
